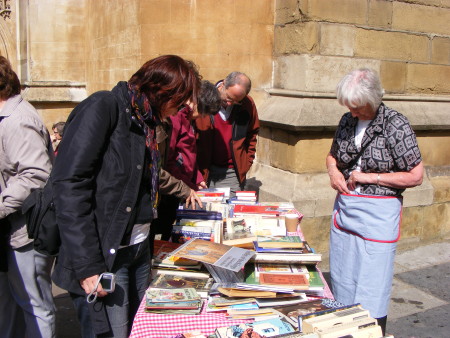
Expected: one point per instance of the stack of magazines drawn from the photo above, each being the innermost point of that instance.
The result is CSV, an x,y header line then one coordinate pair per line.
x,y
170,301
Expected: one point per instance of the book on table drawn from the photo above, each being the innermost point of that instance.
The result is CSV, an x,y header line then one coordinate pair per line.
x,y
281,268
183,233
168,281
260,328
245,193
255,225
164,300
287,256
278,242
180,271
296,282
224,262
293,311
163,249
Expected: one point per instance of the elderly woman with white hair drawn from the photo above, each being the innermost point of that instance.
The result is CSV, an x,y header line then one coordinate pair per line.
x,y
373,158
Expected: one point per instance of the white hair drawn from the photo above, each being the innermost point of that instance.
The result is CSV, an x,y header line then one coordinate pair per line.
x,y
360,87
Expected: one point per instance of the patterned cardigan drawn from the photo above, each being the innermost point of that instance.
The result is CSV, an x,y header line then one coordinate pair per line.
x,y
392,147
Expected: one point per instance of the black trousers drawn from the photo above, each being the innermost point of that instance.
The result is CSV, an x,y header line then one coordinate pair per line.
x,y
167,213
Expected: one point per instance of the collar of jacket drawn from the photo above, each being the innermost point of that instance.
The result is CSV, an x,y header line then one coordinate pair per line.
x,y
10,105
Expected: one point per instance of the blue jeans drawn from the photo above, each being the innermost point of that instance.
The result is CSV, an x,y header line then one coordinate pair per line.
x,y
132,270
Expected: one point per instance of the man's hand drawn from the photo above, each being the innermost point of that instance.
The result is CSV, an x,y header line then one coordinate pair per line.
x,y
193,197
88,285
202,185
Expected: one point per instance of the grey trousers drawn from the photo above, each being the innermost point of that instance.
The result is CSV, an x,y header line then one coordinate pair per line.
x,y
223,177
26,300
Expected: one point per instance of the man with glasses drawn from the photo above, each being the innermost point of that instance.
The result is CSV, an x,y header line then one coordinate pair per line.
x,y
226,142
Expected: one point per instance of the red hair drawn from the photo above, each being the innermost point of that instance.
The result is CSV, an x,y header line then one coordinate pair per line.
x,y
168,81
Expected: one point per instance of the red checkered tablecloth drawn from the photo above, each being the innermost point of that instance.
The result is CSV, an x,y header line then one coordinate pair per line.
x,y
165,326
153,325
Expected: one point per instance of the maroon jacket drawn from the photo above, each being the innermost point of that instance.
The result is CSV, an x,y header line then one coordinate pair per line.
x,y
243,139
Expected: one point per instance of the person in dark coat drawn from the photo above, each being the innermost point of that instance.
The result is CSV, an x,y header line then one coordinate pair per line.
x,y
105,181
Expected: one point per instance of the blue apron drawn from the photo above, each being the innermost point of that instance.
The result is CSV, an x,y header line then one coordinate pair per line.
x,y
364,234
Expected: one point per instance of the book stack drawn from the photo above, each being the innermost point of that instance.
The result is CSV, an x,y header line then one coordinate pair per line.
x,y
206,225
170,301
217,304
244,197
348,321
284,250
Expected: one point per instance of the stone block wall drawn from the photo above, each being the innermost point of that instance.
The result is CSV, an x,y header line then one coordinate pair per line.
x,y
315,44
219,36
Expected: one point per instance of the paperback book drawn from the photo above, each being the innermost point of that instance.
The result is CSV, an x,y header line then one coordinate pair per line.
x,y
278,242
225,263
296,282
259,329
163,295
261,268
167,281
163,249
294,311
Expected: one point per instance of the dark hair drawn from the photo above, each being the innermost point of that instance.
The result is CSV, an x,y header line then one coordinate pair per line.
x,y
59,126
208,99
9,82
239,78
167,80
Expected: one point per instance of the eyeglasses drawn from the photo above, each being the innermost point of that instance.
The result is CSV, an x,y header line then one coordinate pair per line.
x,y
229,99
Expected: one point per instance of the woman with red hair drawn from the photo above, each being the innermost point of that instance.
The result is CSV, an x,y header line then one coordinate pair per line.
x,y
105,182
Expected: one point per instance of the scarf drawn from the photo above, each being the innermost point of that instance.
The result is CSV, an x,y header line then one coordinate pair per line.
x,y
142,111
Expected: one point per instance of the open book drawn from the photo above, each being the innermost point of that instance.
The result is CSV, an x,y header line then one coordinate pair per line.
x,y
225,263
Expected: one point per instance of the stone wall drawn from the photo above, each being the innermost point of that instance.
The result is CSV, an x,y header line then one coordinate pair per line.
x,y
219,36
315,44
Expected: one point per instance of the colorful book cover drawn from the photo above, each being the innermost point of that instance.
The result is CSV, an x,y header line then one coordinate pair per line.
x,y
167,281
163,249
171,295
257,209
216,254
272,327
294,281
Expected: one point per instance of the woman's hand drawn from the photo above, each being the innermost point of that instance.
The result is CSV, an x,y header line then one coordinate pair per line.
x,y
193,197
88,285
337,180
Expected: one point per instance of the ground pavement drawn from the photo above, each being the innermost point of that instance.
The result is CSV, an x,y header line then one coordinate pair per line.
x,y
420,300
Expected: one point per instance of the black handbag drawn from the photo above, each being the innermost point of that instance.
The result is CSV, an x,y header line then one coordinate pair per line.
x,y
4,243
40,214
